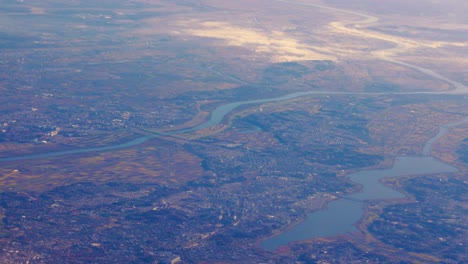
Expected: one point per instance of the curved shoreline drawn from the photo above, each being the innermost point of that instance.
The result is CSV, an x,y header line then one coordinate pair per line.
x,y
443,129
341,215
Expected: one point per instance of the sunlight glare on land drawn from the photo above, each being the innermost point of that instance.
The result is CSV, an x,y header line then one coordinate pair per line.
x,y
403,44
280,46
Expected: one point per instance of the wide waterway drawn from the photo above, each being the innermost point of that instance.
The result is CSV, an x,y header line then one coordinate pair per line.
x,y
340,216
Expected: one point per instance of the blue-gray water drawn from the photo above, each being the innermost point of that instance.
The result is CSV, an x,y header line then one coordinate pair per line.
x,y
340,215
216,117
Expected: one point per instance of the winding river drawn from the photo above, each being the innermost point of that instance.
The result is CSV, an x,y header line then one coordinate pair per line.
x,y
217,116
340,216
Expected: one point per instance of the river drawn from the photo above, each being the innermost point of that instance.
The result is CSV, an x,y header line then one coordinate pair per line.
x,y
340,216
217,116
